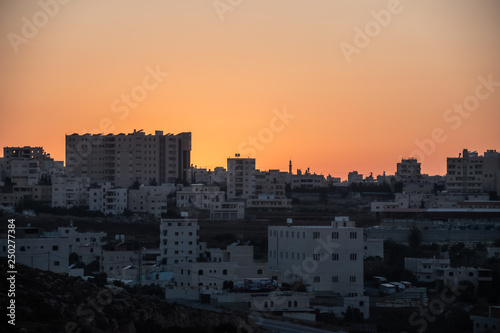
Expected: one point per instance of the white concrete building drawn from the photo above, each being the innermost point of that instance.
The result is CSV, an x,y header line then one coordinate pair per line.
x,y
327,258
108,200
240,178
307,180
373,247
178,241
455,275
69,192
408,170
490,324
426,269
122,159
150,199
200,196
354,177
49,250
269,202
229,210
113,262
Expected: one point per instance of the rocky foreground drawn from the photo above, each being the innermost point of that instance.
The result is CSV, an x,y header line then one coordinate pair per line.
x,y
48,302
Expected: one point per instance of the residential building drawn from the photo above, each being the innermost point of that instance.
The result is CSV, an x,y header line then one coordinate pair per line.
x,y
471,173
150,199
69,191
373,247
178,241
113,262
240,178
307,180
408,170
121,159
354,177
200,196
426,269
489,324
228,210
49,250
327,258
108,200
269,202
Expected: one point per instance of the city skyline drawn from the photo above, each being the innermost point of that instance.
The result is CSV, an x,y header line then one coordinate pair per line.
x,y
335,87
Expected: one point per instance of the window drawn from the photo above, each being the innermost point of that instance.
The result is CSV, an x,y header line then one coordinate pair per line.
x,y
55,248
353,235
335,235
316,235
259,271
294,304
352,278
353,256
200,272
56,263
335,256
316,279
335,279
224,272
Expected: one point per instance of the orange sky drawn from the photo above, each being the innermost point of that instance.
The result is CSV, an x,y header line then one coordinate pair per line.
x,y
227,78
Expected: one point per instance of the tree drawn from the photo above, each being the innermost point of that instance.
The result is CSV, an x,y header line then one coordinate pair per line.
x,y
414,238
135,185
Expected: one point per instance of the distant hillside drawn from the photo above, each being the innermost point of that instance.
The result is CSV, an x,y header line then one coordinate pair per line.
x,y
48,302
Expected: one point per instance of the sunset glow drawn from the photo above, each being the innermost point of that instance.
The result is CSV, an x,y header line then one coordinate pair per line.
x,y
229,76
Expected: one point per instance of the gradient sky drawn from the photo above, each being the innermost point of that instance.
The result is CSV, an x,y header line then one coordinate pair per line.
x,y
227,78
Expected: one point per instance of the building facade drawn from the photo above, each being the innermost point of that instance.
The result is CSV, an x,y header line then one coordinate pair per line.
x,y
240,178
327,258
122,159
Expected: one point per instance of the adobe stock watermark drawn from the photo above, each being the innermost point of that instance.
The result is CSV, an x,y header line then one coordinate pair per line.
x,y
455,116
122,106
300,272
373,28
423,316
223,6
277,124
31,26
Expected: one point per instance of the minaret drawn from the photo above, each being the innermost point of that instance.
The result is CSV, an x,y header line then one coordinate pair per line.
x,y
290,167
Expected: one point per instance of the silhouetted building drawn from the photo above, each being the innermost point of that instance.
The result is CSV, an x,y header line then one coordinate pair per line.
x,y
122,159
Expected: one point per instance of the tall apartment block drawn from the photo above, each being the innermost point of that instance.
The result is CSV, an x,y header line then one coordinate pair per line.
x,y
408,170
474,173
121,159
240,178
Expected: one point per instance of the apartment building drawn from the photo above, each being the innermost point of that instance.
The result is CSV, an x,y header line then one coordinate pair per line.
x,y
327,258
70,191
240,178
200,196
49,250
354,177
471,173
108,200
408,170
426,269
178,241
122,159
150,199
228,210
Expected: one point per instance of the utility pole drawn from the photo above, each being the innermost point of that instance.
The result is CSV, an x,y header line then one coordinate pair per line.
x,y
139,271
